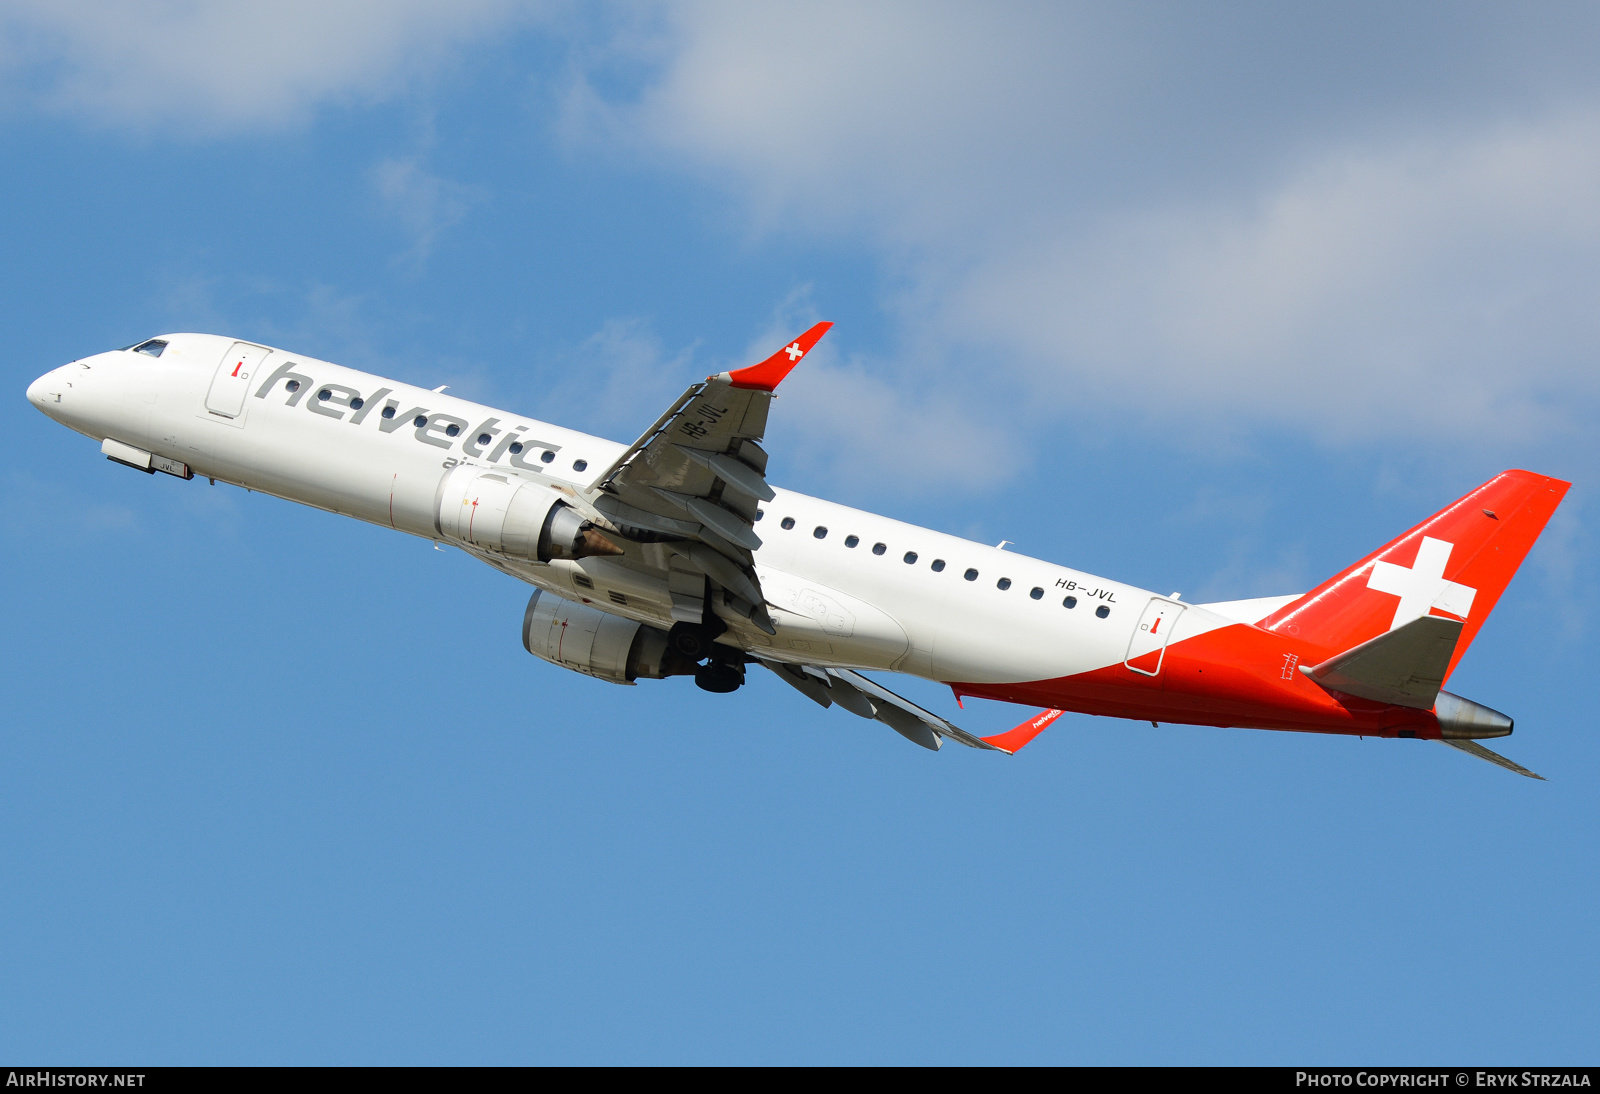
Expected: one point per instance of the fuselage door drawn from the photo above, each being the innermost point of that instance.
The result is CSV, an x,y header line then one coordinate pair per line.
x,y
232,382
1148,645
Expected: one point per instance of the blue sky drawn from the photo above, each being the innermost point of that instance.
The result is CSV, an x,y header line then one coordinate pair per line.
x,y
1207,299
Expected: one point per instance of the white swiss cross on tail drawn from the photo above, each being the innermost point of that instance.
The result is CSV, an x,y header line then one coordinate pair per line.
x,y
1423,585
794,351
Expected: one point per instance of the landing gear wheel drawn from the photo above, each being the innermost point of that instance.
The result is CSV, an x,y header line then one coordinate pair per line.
x,y
719,677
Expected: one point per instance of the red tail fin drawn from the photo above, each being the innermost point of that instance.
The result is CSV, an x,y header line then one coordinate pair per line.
x,y
1455,564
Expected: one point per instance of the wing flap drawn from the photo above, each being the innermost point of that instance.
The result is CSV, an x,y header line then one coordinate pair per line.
x,y
724,522
733,471
802,682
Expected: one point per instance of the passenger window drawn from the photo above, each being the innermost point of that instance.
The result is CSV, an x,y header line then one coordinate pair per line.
x,y
1102,611
971,575
788,523
388,412
420,421
580,465
820,532
878,548
451,430
324,395
938,565
484,438
851,541
1036,592
911,558
544,457
151,348
357,403
1070,602
292,386
516,448
760,513
1003,584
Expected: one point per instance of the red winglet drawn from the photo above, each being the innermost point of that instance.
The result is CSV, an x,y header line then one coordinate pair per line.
x,y
1012,740
770,373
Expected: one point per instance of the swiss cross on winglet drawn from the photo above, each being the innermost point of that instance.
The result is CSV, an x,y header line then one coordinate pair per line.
x,y
1012,740
770,373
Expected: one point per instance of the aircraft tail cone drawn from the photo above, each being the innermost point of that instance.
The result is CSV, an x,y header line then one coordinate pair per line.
x,y
1463,720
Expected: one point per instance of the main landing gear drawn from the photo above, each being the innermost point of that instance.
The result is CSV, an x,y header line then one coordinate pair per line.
x,y
723,670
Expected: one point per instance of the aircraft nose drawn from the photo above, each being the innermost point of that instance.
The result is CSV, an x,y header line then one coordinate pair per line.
x,y
36,391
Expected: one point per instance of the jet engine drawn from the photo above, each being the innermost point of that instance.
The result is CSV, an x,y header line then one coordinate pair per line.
x,y
511,516
596,643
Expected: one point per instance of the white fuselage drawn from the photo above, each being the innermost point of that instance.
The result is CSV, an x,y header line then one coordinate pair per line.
x,y
832,604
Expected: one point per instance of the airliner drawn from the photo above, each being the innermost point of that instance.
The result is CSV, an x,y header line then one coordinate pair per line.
x,y
674,556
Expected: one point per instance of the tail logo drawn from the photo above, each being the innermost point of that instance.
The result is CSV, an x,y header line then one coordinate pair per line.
x,y
1422,586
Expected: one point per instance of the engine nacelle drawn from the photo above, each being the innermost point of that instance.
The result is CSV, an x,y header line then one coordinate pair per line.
x,y
596,643
511,516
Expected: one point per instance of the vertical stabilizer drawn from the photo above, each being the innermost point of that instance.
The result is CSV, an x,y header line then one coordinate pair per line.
x,y
1454,565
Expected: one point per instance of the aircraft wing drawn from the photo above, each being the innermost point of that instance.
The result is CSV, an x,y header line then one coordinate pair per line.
x,y
695,479
867,699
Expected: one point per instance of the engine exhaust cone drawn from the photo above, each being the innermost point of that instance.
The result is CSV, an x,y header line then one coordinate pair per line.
x,y
592,542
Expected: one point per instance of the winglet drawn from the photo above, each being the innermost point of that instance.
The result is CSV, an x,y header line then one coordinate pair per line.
x,y
770,373
1013,739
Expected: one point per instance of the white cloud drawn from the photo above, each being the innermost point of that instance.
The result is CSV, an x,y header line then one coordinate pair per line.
x,y
617,381
1355,225
423,203
219,67
826,111
850,422
1448,286
1225,218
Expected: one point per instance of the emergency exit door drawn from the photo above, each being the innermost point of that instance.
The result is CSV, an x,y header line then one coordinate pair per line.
x,y
1148,645
232,382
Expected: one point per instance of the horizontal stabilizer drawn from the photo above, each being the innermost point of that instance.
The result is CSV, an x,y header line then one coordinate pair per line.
x,y
1405,666
1475,749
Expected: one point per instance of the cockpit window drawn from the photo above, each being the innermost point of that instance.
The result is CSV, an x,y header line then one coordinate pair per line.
x,y
152,347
